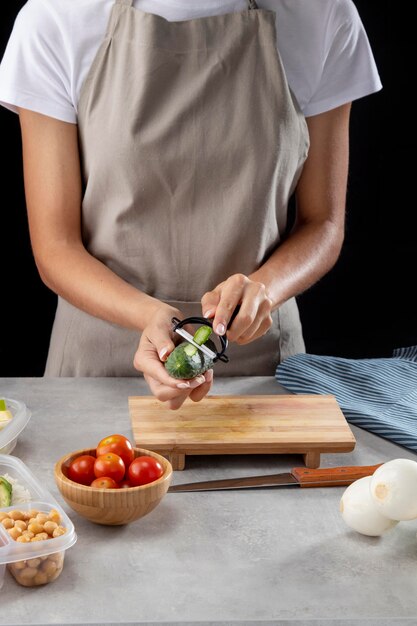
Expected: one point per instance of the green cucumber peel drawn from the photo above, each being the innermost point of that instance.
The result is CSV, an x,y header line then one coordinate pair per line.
x,y
6,484
201,335
3,406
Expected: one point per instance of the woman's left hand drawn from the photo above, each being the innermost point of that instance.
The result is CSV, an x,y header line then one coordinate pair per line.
x,y
254,317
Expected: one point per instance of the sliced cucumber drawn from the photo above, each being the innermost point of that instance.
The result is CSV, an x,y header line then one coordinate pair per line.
x,y
202,334
5,492
187,361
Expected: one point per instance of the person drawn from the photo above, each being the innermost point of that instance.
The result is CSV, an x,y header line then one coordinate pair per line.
x,y
162,143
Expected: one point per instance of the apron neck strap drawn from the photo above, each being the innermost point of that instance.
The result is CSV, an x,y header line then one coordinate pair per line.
x,y
251,3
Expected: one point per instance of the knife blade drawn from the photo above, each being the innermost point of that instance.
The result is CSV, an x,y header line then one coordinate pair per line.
x,y
297,477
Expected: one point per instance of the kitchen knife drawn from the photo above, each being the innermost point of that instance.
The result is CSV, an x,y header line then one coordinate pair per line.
x,y
297,477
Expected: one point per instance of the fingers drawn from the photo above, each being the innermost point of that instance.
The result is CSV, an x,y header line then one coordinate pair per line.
x,y
209,302
253,318
255,331
200,392
231,295
254,312
174,398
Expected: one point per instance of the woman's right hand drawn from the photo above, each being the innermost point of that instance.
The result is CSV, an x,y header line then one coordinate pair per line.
x,y
155,345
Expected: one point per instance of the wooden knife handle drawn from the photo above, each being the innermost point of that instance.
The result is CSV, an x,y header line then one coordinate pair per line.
x,y
331,476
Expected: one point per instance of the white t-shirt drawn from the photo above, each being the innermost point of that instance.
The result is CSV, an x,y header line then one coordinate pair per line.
x,y
322,43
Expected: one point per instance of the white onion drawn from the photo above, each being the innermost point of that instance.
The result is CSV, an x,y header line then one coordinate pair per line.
x,y
394,489
359,511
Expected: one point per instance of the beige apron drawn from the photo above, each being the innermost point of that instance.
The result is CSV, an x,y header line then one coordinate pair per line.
x,y
191,146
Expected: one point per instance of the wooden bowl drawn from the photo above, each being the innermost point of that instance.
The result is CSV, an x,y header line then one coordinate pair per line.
x,y
112,507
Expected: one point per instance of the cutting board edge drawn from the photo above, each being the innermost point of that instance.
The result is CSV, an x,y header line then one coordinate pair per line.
x,y
267,396
194,449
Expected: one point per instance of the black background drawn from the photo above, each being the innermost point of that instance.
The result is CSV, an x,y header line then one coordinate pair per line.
x,y
362,308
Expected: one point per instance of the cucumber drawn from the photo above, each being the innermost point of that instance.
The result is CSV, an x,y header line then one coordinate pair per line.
x,y
5,492
5,414
187,361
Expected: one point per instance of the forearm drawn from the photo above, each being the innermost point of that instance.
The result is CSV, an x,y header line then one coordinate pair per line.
x,y
314,245
71,272
305,257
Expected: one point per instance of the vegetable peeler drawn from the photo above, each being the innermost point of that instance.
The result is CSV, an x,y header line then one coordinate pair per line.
x,y
215,356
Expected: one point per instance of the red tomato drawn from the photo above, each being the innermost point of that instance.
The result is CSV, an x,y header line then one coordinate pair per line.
x,y
118,444
109,465
144,470
81,469
105,483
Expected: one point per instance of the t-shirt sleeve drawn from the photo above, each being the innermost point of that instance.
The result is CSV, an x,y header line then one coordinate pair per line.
x,y
349,70
34,71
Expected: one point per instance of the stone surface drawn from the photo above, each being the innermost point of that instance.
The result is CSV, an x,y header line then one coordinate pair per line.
x,y
270,556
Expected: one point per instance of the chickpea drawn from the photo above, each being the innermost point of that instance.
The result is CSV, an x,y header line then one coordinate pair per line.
x,y
16,515
41,518
59,531
35,528
40,537
49,567
20,524
28,573
23,539
14,532
49,527
28,534
54,516
8,523
40,579
19,565
3,516
58,558
32,514
33,563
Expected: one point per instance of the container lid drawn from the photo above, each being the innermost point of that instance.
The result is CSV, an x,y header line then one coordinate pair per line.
x,y
41,500
21,416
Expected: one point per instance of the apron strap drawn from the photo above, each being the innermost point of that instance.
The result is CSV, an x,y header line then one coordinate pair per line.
x,y
251,3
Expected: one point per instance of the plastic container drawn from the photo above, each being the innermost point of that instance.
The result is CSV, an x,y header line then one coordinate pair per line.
x,y
37,562
10,433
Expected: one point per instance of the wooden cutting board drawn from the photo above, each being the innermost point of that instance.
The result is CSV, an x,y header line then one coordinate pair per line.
x,y
269,424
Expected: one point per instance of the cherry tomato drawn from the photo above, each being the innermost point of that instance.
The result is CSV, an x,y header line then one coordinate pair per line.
x,y
118,444
104,483
125,483
81,469
109,465
144,470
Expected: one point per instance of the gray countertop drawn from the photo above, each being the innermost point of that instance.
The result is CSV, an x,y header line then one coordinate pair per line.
x,y
282,557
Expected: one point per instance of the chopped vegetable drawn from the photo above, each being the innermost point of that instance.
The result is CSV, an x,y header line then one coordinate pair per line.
x,y
5,414
187,361
5,492
20,494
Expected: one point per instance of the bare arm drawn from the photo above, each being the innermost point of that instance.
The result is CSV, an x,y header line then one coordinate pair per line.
x,y
312,248
53,197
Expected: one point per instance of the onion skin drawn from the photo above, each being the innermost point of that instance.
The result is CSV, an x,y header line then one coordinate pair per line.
x,y
359,511
394,489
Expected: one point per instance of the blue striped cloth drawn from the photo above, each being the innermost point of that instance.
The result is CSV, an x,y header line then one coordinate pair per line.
x,y
379,395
